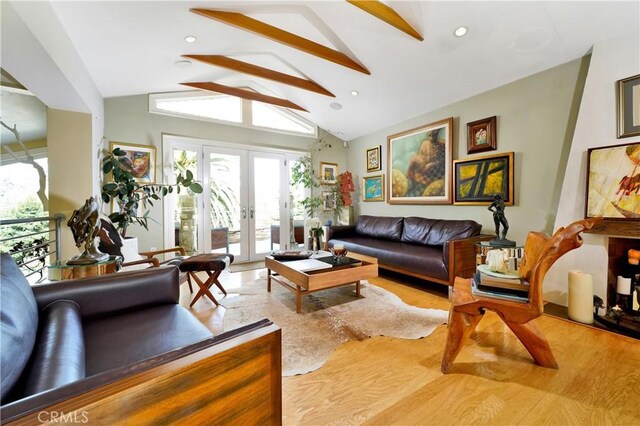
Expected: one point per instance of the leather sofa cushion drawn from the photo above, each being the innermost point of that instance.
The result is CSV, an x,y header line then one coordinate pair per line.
x,y
128,338
425,260
388,228
436,232
18,323
58,357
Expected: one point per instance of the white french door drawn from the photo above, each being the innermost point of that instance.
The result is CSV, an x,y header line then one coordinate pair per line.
x,y
245,208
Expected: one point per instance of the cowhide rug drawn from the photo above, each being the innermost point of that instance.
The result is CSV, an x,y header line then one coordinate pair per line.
x,y
328,319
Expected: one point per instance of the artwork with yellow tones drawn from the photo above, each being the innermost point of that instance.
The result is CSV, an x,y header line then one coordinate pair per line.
x,y
419,164
613,182
141,160
479,179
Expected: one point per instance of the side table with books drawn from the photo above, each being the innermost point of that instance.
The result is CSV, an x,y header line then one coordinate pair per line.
x,y
508,285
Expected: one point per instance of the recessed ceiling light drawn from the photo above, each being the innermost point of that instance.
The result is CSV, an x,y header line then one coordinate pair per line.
x,y
354,92
460,31
183,64
335,105
190,39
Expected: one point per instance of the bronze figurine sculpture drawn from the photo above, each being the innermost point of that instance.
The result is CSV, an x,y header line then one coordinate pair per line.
x,y
85,225
497,207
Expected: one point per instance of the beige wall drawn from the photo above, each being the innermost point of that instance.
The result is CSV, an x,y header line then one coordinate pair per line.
x,y
70,156
535,119
127,120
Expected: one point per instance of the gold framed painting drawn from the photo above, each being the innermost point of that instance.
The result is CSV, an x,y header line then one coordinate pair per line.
x,y
141,160
373,159
328,173
419,164
613,182
479,179
481,135
373,188
628,111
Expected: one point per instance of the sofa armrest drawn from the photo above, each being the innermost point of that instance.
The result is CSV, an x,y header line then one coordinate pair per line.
x,y
338,231
114,292
460,256
193,384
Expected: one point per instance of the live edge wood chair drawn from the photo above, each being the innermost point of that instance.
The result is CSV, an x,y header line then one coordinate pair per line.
x,y
540,252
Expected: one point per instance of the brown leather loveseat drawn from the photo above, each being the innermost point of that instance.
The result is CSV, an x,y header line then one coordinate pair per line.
x,y
77,338
433,249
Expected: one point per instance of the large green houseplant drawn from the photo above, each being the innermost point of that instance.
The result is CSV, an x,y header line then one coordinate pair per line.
x,y
302,173
131,195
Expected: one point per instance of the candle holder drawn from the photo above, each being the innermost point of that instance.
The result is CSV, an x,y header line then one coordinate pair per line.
x,y
338,254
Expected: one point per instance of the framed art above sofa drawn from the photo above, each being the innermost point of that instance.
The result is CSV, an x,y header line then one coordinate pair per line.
x,y
479,179
419,164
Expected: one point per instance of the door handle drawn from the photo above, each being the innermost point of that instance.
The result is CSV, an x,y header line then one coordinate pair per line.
x,y
251,212
244,212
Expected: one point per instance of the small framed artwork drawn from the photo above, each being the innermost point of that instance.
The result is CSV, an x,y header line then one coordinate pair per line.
x,y
373,188
419,164
373,159
628,110
328,200
479,179
613,182
328,173
140,158
481,135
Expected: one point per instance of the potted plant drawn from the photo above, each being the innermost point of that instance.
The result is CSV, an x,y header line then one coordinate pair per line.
x,y
302,173
131,195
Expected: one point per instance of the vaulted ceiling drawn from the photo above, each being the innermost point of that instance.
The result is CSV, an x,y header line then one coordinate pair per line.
x,y
132,47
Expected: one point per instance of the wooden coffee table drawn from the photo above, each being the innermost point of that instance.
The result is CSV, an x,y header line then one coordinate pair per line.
x,y
302,283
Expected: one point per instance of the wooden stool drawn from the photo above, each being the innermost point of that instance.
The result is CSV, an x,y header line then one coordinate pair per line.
x,y
213,265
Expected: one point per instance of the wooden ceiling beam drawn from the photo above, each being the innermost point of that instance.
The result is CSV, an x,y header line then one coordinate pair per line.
x,y
386,14
244,94
246,23
269,74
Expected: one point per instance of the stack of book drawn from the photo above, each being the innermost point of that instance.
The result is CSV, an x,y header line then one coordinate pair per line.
x,y
501,286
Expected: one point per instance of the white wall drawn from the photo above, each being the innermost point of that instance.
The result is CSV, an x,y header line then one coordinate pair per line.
x,y
611,60
127,120
37,51
535,119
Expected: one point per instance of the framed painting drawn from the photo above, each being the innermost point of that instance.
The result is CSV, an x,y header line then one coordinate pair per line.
x,y
613,182
328,200
481,135
373,159
328,173
478,180
628,94
419,164
373,188
140,158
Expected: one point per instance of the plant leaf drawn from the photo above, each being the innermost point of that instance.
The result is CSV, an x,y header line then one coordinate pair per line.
x,y
196,187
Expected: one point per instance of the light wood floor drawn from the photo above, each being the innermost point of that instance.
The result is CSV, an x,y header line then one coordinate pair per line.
x,y
493,381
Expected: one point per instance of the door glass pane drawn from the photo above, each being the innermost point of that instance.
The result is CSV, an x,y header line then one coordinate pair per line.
x,y
267,204
186,210
296,212
224,201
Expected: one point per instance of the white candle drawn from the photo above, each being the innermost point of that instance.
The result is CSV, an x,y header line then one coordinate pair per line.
x,y
581,297
338,246
624,285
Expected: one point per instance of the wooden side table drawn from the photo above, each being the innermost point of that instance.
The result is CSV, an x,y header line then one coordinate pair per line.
x,y
59,271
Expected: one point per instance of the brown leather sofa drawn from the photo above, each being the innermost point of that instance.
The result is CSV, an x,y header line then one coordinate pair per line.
x,y
432,249
70,338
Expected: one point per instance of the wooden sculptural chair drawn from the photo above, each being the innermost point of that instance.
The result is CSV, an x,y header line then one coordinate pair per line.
x,y
540,252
